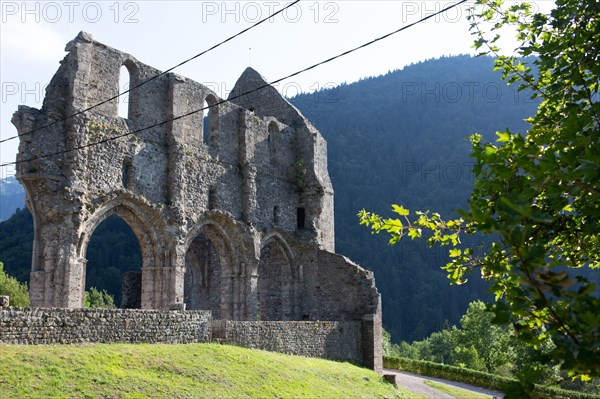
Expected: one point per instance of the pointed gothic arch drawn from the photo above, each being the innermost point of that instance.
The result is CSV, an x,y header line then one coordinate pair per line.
x,y
210,269
277,287
145,232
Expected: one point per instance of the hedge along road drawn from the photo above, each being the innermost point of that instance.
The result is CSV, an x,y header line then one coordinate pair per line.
x,y
416,383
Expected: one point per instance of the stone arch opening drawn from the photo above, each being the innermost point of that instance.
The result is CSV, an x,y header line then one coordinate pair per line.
x,y
211,119
209,268
128,79
124,84
276,283
114,262
142,232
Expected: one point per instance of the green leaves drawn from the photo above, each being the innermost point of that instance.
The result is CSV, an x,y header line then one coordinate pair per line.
x,y
537,192
18,292
400,210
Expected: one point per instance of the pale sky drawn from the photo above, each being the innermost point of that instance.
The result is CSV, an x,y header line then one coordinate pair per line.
x,y
163,33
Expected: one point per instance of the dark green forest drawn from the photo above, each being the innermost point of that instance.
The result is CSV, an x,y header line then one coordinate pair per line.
x,y
397,138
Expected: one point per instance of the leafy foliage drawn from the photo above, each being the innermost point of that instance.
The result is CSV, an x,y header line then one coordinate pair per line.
x,y
477,344
538,193
94,298
18,292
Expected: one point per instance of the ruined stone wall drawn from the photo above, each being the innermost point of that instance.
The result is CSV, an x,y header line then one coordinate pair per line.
x,y
255,165
232,207
336,288
336,340
71,326
350,341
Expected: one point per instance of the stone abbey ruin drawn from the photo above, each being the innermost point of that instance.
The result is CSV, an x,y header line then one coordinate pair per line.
x,y
235,217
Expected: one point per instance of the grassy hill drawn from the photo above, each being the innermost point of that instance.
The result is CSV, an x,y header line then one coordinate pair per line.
x,y
179,371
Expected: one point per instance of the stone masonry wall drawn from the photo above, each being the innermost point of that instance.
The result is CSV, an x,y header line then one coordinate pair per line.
x,y
69,326
336,340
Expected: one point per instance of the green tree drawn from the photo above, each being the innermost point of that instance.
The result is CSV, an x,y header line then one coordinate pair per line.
x,y
18,292
478,344
537,193
492,343
94,298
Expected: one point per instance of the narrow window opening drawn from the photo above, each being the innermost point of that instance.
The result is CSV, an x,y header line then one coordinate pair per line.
x,y
206,123
276,215
273,128
212,198
272,141
126,172
123,101
301,218
210,123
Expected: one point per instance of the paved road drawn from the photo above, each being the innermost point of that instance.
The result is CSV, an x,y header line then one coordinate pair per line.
x,y
416,383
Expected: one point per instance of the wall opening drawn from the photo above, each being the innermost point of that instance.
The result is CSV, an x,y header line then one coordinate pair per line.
x,y
276,215
203,274
112,252
273,141
126,172
275,284
211,119
300,218
124,84
212,197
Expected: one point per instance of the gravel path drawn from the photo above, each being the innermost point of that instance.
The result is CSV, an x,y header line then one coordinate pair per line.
x,y
416,383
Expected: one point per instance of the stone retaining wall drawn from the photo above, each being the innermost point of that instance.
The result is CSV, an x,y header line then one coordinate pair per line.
x,y
67,326
336,340
350,341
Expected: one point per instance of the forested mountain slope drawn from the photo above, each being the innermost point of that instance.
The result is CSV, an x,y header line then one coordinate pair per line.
x,y
12,196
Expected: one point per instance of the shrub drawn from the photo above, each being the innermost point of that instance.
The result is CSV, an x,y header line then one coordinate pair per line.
x,y
94,298
18,292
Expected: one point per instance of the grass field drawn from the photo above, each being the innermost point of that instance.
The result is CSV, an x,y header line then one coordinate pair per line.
x,y
179,371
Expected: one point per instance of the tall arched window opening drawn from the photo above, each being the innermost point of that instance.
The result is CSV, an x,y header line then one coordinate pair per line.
x,y
211,119
114,262
124,84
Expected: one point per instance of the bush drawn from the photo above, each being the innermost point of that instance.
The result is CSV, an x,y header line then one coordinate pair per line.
x,y
95,298
477,378
18,292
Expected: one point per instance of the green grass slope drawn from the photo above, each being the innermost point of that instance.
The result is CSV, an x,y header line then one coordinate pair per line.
x,y
179,371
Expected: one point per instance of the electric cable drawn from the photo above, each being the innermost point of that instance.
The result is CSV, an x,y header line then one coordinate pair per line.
x,y
154,77
242,94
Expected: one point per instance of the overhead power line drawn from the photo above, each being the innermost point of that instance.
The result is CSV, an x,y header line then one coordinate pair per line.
x,y
245,93
154,77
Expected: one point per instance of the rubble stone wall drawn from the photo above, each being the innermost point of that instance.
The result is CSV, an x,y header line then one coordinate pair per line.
x,y
336,340
75,326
